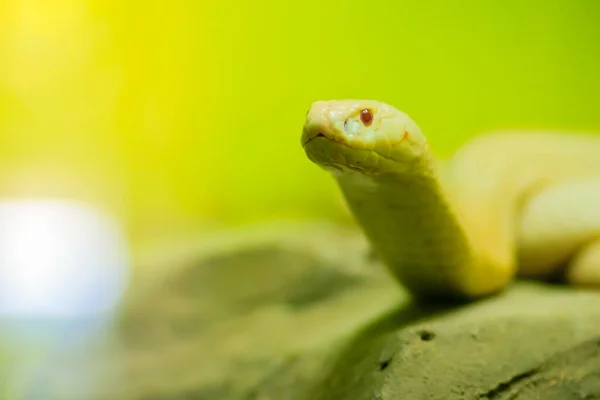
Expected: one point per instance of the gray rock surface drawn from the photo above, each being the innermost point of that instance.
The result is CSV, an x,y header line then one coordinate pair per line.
x,y
300,312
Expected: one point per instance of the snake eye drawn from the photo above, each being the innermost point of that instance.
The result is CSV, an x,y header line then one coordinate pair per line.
x,y
366,116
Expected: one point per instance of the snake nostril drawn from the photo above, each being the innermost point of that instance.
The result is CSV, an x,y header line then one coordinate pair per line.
x,y
320,135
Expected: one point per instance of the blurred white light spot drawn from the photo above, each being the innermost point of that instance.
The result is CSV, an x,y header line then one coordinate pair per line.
x,y
59,259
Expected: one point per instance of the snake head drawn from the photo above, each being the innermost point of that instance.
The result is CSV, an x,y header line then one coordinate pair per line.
x,y
361,135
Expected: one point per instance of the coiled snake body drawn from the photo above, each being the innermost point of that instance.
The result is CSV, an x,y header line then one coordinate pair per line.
x,y
505,204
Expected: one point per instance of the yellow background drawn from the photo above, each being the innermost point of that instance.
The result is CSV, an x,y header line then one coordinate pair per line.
x,y
185,113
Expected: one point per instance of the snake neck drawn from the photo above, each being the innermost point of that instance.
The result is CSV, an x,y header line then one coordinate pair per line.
x,y
409,221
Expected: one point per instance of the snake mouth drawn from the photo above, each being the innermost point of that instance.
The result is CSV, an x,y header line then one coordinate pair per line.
x,y
353,147
318,135
310,139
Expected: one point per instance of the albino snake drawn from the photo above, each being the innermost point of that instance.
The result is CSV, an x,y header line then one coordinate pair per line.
x,y
506,203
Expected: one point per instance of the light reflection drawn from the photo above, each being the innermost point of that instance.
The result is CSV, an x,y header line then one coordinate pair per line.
x,y
59,259
64,267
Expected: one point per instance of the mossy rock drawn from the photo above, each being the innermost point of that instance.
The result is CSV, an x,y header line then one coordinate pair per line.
x,y
531,342
301,312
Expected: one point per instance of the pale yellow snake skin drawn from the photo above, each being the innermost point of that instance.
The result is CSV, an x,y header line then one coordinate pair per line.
x,y
505,203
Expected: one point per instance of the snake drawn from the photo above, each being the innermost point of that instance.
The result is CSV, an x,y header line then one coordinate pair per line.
x,y
505,205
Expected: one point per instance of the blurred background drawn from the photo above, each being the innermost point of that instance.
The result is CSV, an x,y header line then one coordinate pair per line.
x,y
181,116
169,119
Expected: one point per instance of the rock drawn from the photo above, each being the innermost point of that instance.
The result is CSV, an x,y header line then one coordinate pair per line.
x,y
250,314
530,340
301,312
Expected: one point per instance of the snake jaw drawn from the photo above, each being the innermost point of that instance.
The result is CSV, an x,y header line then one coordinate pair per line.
x,y
311,138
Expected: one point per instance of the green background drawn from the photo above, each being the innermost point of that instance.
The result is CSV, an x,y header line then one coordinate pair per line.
x,y
181,114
